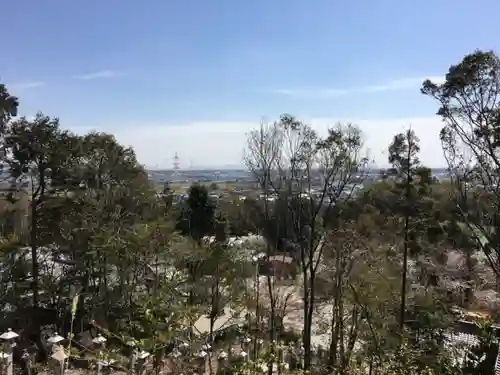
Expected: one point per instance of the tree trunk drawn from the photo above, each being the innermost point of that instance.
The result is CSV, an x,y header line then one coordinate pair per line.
x,y
404,276
35,275
309,297
405,250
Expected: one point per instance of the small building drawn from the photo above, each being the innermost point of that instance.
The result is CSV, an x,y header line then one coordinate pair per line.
x,y
281,266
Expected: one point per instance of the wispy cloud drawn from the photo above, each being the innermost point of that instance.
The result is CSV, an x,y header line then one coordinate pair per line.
x,y
306,92
102,74
399,84
26,85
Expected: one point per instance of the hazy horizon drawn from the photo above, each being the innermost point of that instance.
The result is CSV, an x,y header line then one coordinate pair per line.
x,y
238,168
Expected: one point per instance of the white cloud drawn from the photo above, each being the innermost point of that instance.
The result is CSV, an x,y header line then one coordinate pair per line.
x,y
26,85
219,144
102,74
399,84
313,93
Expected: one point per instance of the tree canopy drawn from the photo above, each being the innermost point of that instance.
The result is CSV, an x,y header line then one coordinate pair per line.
x,y
320,264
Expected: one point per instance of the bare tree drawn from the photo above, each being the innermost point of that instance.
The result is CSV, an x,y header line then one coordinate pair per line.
x,y
261,156
307,174
344,251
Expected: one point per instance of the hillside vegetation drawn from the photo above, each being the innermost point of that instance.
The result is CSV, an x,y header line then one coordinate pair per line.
x,y
309,275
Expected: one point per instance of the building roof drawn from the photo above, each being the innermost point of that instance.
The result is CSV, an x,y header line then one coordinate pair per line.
x,y
280,258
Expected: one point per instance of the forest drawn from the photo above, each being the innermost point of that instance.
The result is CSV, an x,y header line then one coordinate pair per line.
x,y
384,281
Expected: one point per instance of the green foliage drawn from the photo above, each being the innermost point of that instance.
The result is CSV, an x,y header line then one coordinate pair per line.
x,y
197,217
470,110
81,217
167,196
36,150
8,107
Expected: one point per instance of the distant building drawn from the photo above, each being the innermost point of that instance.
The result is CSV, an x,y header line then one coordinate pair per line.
x,y
280,266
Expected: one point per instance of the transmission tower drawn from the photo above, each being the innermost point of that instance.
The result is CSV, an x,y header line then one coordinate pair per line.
x,y
176,164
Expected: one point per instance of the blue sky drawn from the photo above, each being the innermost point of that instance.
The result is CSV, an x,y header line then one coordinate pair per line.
x,y
194,76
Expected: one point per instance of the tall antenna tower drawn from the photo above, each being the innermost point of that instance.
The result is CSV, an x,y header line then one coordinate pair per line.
x,y
176,164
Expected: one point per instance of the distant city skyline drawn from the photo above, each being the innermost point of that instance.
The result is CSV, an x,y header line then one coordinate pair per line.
x,y
194,167
242,168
